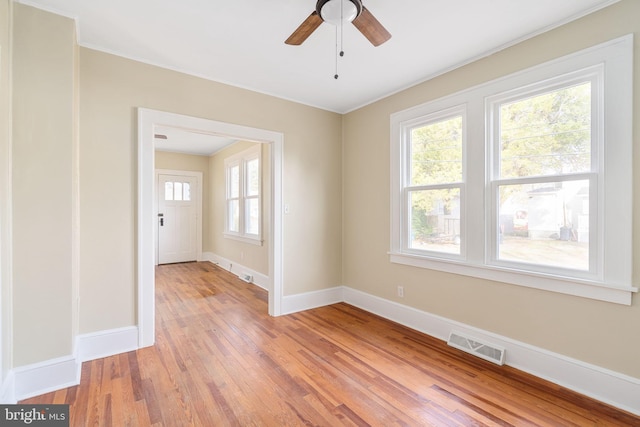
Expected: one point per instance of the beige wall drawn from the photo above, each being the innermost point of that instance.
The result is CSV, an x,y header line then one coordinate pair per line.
x,y
601,333
6,22
42,192
111,88
251,256
188,162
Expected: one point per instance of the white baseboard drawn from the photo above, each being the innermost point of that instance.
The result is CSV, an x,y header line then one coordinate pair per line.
x,y
613,388
51,375
238,269
107,343
7,393
44,377
309,300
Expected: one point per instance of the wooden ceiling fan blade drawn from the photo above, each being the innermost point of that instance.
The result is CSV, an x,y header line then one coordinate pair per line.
x,y
371,28
305,29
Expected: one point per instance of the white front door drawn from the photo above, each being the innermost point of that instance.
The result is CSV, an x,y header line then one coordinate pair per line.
x,y
177,218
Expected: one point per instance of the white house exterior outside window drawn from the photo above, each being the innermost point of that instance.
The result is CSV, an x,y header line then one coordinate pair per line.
x,y
523,180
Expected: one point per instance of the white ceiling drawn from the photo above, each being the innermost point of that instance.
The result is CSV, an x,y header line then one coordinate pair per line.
x,y
241,42
186,141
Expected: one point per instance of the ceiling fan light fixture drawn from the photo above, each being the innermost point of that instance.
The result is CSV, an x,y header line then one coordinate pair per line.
x,y
338,11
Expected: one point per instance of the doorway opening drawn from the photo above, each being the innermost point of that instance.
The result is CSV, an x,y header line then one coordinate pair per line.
x,y
148,121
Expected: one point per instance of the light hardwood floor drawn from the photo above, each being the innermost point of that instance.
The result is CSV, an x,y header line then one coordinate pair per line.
x,y
221,360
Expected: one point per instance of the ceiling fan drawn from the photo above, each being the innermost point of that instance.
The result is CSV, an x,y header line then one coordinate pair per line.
x,y
336,12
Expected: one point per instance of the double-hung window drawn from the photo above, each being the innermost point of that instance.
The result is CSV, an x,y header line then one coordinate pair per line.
x,y
433,182
523,180
544,176
243,196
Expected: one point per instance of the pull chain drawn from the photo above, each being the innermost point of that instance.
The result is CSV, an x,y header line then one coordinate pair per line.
x,y
335,76
341,54
341,28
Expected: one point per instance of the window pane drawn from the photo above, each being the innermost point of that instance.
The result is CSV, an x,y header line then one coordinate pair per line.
x,y
168,190
545,224
436,152
547,134
186,191
253,177
234,181
252,217
234,215
435,220
177,191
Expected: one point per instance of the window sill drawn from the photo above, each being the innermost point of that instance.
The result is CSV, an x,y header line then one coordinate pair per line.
x,y
251,240
582,288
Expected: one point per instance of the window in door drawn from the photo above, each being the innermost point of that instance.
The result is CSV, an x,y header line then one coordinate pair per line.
x,y
178,191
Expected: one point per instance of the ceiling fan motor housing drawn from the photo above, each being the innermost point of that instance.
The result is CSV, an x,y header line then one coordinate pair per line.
x,y
330,10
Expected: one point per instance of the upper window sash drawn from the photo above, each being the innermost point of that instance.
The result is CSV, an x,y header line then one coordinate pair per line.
x,y
593,76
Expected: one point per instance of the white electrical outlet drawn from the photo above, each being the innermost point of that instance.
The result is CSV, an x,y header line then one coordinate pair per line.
x,y
401,291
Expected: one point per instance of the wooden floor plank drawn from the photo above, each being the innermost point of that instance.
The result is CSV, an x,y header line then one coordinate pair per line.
x,y
221,360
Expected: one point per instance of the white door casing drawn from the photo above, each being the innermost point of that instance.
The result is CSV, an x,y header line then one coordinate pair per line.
x,y
179,216
147,121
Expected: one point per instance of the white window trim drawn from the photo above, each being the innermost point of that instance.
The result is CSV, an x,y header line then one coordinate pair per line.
x,y
241,159
614,284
